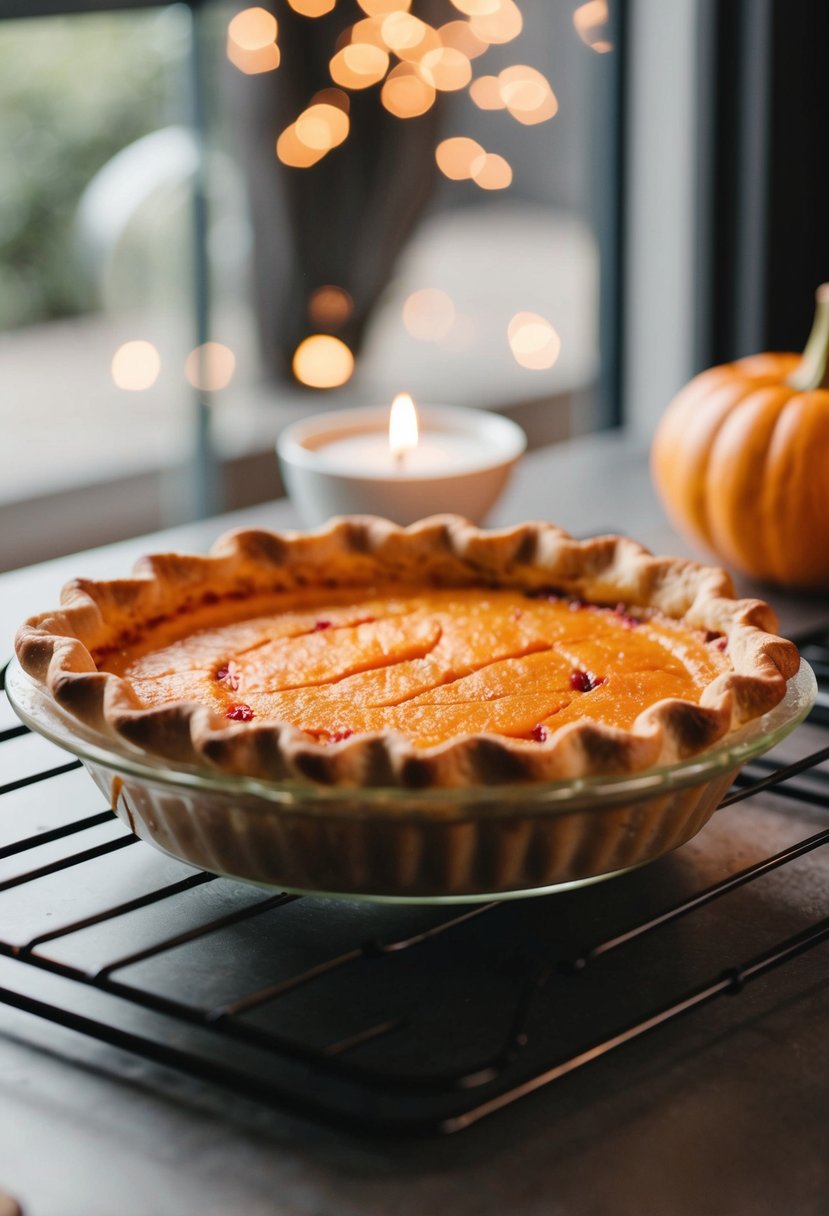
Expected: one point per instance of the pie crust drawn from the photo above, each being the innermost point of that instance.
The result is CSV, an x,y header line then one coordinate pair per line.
x,y
249,572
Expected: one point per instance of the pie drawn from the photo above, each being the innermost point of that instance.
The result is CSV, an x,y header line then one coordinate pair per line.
x,y
438,655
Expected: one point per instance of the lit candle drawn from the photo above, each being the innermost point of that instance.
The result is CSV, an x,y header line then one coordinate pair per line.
x,y
376,461
403,431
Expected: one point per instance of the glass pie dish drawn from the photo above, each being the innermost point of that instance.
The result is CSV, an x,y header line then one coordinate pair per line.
x,y
433,845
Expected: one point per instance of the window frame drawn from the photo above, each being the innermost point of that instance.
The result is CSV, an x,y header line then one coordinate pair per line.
x,y
112,510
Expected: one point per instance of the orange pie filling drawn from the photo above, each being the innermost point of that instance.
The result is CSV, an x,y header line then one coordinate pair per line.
x,y
429,665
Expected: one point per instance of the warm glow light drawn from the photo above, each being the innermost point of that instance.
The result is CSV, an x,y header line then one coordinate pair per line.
x,y
446,69
460,36
527,94
402,31
358,66
409,41
330,307
379,8
322,127
265,59
136,366
533,341
591,21
322,361
502,25
477,8
210,367
429,314
292,152
252,29
368,31
456,156
312,8
405,94
491,172
523,88
332,97
251,41
403,436
486,93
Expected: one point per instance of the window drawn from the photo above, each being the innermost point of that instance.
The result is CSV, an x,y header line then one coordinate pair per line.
x,y
210,224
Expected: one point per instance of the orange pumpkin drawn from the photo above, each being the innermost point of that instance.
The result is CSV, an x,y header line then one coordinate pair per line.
x,y
741,461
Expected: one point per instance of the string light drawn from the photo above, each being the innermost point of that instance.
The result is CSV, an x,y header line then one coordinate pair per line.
x,y
322,361
405,93
210,367
135,366
533,341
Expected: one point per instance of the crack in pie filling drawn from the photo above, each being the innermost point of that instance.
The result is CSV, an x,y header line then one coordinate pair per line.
x,y
436,655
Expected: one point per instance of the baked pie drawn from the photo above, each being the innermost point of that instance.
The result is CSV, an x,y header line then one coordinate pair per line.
x,y
429,657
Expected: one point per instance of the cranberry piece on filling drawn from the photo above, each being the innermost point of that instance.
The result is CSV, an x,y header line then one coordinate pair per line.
x,y
337,736
229,676
584,681
539,733
239,712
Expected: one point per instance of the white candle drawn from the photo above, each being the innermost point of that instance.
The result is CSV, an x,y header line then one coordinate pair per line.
x,y
437,453
348,463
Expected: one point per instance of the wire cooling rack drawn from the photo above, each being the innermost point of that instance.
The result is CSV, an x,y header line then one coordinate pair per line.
x,y
403,1018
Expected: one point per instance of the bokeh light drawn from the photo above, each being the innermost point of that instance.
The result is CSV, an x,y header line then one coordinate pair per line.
x,y
476,8
359,65
292,152
312,8
591,22
446,69
322,361
381,8
210,367
322,127
461,36
533,341
499,26
405,93
456,156
401,31
429,314
251,41
486,93
491,172
527,95
252,28
135,366
333,97
368,31
266,59
329,307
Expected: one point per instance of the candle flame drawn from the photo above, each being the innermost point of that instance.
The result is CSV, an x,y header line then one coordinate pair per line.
x,y
403,435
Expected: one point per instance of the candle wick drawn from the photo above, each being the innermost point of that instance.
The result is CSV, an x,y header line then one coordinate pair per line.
x,y
399,458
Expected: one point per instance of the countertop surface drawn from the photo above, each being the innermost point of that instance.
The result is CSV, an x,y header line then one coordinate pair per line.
x,y
721,1112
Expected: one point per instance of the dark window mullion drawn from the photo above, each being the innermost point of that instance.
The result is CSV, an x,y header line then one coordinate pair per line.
x,y
762,238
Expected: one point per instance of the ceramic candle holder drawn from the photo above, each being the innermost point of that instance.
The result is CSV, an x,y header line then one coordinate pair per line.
x,y
342,464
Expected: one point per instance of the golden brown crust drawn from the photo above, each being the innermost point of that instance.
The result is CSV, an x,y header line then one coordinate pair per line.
x,y
59,649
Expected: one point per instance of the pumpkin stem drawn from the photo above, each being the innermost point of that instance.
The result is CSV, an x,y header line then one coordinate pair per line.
x,y
813,369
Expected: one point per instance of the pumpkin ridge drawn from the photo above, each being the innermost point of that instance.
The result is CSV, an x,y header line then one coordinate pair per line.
x,y
737,479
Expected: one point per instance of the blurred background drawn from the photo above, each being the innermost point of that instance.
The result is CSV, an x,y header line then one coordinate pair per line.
x,y
216,218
